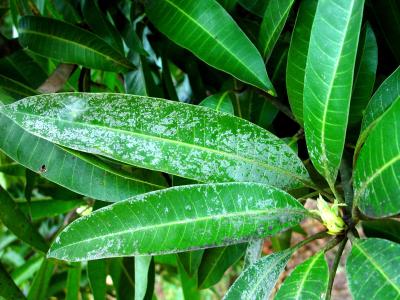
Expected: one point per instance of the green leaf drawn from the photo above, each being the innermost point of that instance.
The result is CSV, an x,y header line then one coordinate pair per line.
x,y
258,280
373,269
17,223
142,265
216,38
216,261
219,102
190,261
386,95
274,19
8,289
180,139
14,89
387,229
308,281
60,165
364,77
219,214
376,175
189,284
257,7
228,4
45,208
40,285
297,57
27,270
69,44
328,81
97,273
73,281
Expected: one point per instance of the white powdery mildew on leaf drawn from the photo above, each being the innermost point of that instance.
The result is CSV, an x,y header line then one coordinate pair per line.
x,y
180,139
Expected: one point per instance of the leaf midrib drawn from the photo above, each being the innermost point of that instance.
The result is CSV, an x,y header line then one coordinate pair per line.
x,y
305,275
269,211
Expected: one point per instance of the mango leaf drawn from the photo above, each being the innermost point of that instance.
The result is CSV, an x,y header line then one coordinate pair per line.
x,y
17,223
93,177
257,7
46,208
216,261
274,19
40,284
97,274
180,139
216,39
258,280
328,85
219,214
8,289
14,89
69,44
73,281
297,56
189,284
386,95
372,269
190,261
219,102
27,270
228,4
387,229
143,270
308,281
376,175
364,77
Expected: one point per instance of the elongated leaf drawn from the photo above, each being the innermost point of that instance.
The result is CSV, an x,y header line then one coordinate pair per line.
x,y
73,281
27,270
228,4
257,7
328,81
377,172
216,261
308,281
258,280
14,89
372,269
17,223
274,19
387,229
69,44
219,214
189,284
93,177
297,57
220,102
185,140
206,29
142,265
40,285
364,77
190,261
386,95
97,273
49,208
8,289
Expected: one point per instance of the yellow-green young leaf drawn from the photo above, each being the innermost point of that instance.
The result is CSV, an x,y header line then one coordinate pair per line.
x,y
220,102
207,30
8,289
328,81
182,218
258,280
308,281
274,19
377,172
79,172
372,269
69,44
185,140
297,56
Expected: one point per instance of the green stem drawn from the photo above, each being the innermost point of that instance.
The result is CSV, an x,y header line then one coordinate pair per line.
x,y
319,235
333,270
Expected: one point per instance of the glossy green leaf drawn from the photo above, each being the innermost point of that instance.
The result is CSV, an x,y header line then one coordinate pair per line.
x,y
373,269
180,139
297,56
142,264
257,7
219,102
189,284
73,281
14,89
376,175
388,229
190,261
69,44
207,30
46,208
258,280
386,95
364,77
40,285
216,261
94,178
219,214
274,19
17,223
308,281
328,81
97,274
8,289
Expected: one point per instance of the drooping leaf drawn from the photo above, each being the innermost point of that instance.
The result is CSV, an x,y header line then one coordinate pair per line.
x,y
93,178
258,280
190,261
73,281
180,139
97,274
17,223
328,81
46,208
387,229
27,270
69,44
14,89
142,268
308,281
372,269
40,285
8,289
189,284
219,214
297,57
274,19
216,261
219,102
377,172
207,30
122,271
364,77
